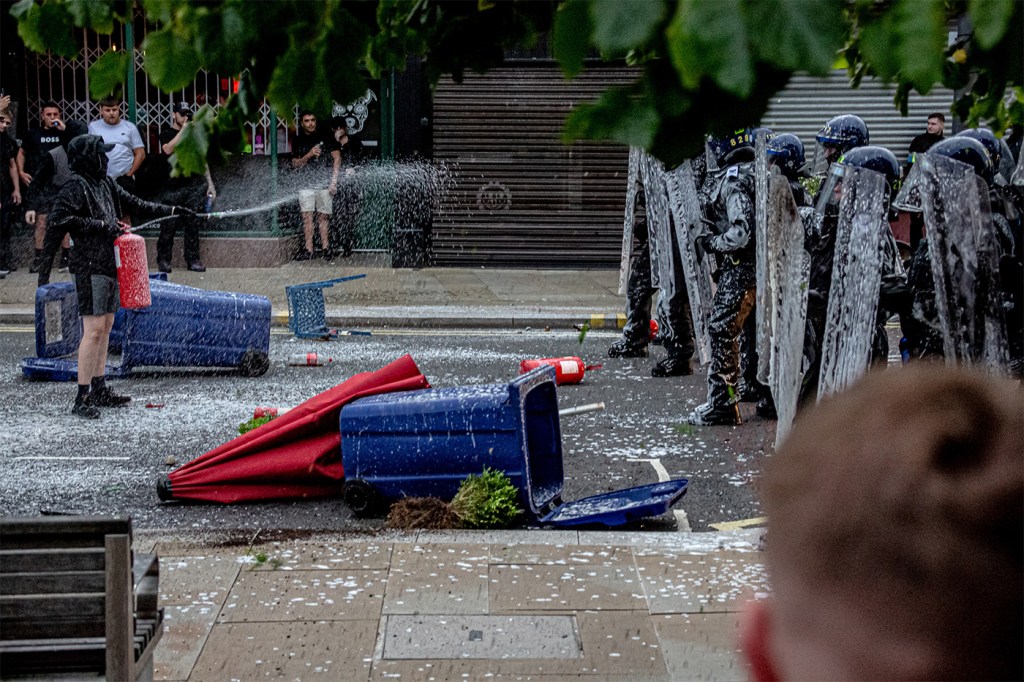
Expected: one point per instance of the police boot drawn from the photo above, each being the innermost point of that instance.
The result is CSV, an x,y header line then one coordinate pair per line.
x,y
711,415
627,349
672,366
749,393
766,408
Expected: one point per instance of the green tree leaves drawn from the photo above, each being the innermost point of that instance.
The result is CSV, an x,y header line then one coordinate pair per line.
x,y
706,65
171,61
108,73
572,36
620,26
991,19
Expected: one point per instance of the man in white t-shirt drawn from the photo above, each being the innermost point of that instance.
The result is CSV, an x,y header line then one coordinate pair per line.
x,y
128,152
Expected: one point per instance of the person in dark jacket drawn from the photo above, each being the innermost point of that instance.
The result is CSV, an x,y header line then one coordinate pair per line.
x,y
89,207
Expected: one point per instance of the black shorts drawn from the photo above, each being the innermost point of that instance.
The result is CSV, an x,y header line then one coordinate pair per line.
x,y
97,295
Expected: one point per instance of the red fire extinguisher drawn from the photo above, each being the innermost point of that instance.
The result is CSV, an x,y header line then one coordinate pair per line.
x,y
132,271
568,370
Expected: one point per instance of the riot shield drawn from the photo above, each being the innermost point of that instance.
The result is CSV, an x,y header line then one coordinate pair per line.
x,y
685,207
659,225
991,344
856,281
765,296
947,192
909,197
628,220
787,272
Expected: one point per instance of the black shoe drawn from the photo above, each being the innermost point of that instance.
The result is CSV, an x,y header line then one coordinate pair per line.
x,y
672,367
624,349
710,415
304,255
105,397
163,266
85,410
766,408
196,266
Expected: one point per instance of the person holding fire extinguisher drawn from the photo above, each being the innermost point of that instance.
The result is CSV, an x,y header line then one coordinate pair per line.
x,y
89,207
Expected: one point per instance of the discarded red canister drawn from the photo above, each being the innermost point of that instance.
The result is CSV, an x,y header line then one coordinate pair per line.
x,y
568,370
132,271
269,412
308,360
654,330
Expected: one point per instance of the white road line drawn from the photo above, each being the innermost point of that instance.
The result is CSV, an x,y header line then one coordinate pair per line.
x,y
662,472
65,459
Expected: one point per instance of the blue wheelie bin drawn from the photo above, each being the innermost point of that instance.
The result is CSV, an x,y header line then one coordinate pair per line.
x,y
184,327
425,443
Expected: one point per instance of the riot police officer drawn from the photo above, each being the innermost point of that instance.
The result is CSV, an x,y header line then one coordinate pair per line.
x,y
729,209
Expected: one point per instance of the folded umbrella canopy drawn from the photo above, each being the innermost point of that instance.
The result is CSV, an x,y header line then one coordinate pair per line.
x,y
296,455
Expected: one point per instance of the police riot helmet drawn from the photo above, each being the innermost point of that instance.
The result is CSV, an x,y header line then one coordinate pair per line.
x,y
844,132
966,150
787,152
878,159
988,140
838,136
766,133
733,148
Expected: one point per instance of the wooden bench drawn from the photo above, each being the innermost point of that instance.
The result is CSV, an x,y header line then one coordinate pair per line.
x,y
72,598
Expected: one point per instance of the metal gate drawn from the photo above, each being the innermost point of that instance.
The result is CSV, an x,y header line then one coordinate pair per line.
x,y
523,198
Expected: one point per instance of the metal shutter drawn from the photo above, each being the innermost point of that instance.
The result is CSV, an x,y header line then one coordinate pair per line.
x,y
807,102
522,198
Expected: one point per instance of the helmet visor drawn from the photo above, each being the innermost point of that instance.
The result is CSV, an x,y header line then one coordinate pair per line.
x,y
831,190
825,154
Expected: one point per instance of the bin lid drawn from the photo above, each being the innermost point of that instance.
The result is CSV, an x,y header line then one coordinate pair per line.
x,y
619,507
61,369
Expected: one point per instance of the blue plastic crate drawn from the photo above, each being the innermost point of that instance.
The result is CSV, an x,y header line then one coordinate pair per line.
x,y
306,314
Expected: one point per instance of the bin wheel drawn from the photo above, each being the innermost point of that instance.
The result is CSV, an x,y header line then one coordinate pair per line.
x,y
254,363
361,498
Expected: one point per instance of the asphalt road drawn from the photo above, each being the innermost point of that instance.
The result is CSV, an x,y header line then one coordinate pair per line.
x,y
56,463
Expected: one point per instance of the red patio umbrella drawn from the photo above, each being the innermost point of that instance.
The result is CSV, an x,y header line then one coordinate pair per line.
x,y
296,455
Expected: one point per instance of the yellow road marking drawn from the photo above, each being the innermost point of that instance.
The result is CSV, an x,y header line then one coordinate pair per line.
x,y
744,523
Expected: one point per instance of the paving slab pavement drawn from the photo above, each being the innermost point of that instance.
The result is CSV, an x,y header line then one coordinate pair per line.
x,y
457,605
389,297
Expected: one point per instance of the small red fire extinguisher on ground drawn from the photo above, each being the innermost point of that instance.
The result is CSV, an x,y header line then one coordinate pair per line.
x,y
568,370
132,271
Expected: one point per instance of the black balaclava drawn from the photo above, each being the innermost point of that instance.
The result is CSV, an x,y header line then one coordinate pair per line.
x,y
87,156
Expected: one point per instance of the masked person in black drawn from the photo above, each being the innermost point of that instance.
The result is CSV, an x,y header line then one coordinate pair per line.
x,y
89,207
729,197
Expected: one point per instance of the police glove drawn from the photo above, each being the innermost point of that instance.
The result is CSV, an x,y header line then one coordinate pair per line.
x,y
702,245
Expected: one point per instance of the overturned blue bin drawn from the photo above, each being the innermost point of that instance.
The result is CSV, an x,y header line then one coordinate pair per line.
x,y
184,327
425,443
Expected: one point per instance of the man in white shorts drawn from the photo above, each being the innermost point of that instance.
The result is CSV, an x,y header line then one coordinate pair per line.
x,y
312,151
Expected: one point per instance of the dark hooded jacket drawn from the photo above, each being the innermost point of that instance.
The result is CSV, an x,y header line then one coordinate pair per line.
x,y
90,205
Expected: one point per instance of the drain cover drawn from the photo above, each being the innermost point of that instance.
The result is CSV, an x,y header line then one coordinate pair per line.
x,y
447,637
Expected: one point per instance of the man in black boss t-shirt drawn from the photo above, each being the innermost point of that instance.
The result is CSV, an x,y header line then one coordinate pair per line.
x,y
36,146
